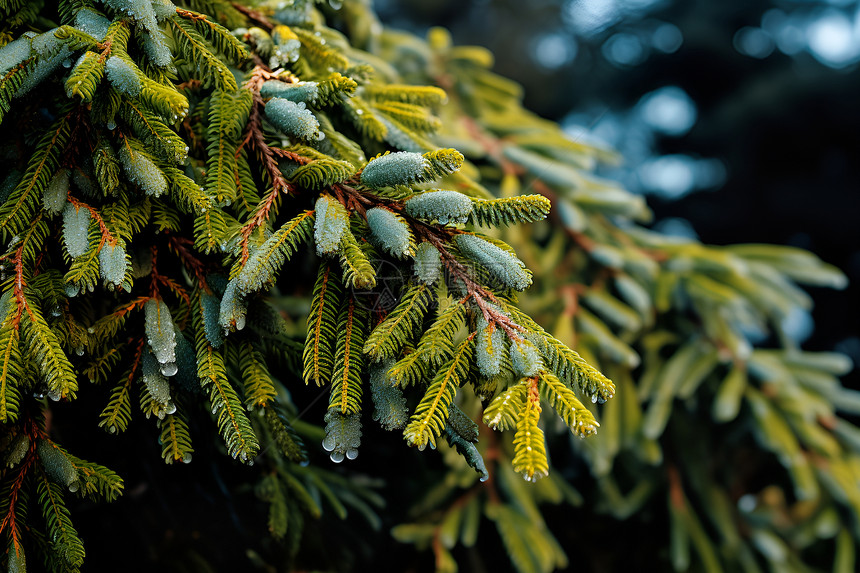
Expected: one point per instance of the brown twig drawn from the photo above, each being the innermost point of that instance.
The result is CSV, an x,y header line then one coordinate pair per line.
x,y
268,157
34,433
254,16
107,237
181,246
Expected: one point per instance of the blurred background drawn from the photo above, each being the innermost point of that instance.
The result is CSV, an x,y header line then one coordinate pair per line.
x,y
738,120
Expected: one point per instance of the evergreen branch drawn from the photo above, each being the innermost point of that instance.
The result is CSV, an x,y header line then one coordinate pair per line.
x,y
357,270
509,211
76,39
321,54
283,434
95,481
85,267
211,228
259,388
12,81
318,355
194,48
254,135
529,448
425,96
271,490
19,12
11,363
334,89
364,118
109,325
64,538
164,99
410,370
578,418
44,347
246,187
186,193
483,298
254,131
13,505
86,76
346,388
388,337
100,367
268,259
233,424
503,411
175,438
153,132
106,236
321,173
19,209
468,450
431,415
106,166
415,118
228,114
437,342
564,362
217,35
117,414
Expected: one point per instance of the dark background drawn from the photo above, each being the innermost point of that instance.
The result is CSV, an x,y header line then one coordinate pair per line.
x,y
774,86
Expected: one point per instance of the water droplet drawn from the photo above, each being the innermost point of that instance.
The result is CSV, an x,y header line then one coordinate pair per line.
x,y
79,350
594,399
240,322
74,486
169,369
91,330
170,408
328,443
55,396
336,457
186,458
352,453
111,429
484,478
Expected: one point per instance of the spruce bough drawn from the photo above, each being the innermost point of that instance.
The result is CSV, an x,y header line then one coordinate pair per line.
x,y
191,164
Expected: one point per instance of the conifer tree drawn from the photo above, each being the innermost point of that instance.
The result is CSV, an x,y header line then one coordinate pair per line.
x,y
173,171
